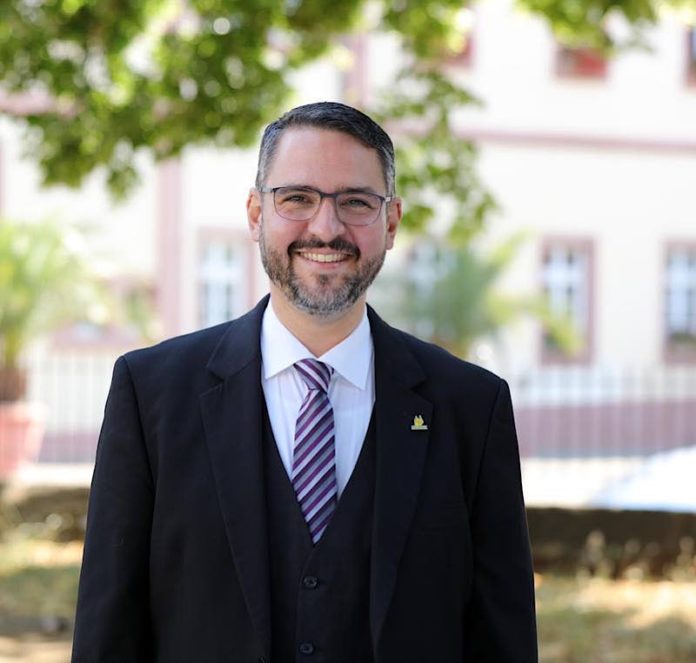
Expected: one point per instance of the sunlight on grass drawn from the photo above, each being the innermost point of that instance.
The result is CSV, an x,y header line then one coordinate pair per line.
x,y
632,621
38,577
581,619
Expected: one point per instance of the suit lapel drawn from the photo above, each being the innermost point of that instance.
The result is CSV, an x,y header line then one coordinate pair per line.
x,y
232,417
401,454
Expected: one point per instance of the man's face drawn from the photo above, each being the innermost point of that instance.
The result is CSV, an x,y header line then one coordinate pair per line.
x,y
322,266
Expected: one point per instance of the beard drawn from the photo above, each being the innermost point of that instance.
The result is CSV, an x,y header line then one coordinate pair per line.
x,y
329,294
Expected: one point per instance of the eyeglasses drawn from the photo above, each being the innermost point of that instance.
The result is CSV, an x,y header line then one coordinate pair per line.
x,y
301,203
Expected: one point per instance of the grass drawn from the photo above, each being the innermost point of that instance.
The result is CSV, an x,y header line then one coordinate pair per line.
x,y
599,620
38,580
38,587
581,619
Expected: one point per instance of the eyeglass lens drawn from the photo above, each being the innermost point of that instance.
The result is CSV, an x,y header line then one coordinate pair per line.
x,y
352,207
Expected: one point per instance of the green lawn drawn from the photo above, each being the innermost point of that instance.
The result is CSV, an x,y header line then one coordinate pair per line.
x,y
581,620
597,620
38,579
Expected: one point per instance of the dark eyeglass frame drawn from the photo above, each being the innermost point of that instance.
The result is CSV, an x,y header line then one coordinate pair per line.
x,y
334,196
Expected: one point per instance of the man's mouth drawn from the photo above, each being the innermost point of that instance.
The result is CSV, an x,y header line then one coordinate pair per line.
x,y
337,250
324,257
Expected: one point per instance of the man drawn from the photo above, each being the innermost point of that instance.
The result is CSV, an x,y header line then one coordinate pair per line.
x,y
307,483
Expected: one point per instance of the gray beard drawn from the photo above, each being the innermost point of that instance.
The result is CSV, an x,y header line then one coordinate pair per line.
x,y
324,301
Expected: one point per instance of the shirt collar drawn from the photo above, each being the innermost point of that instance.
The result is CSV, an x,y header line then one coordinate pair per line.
x,y
280,349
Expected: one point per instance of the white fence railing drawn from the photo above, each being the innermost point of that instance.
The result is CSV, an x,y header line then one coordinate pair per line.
x,y
585,434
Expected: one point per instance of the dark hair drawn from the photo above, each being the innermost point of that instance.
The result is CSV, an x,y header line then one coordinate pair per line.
x,y
336,117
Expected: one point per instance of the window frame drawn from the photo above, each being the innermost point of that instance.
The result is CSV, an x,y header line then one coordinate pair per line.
x,y
239,241
673,353
584,245
690,55
589,64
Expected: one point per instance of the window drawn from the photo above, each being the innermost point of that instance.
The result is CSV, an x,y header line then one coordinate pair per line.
x,y
222,295
567,284
691,56
580,62
680,303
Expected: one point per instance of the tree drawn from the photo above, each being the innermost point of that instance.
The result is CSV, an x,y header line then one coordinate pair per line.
x,y
45,282
588,22
126,75
434,163
122,76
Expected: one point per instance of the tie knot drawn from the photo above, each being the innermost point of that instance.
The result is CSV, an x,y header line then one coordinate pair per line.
x,y
316,374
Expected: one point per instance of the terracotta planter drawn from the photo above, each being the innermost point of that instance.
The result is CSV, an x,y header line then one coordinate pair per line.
x,y
21,432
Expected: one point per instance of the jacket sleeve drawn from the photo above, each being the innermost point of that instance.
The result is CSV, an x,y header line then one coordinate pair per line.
x,y
112,619
501,614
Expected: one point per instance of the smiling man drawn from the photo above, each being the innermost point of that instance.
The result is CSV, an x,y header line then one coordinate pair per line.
x,y
306,483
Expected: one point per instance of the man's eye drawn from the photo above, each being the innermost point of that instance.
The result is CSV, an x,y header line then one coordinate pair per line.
x,y
356,202
296,197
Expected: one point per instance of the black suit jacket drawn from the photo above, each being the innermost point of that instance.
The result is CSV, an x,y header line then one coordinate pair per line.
x,y
176,554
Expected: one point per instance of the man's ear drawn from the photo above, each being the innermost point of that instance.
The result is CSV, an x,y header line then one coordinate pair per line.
x,y
253,206
394,214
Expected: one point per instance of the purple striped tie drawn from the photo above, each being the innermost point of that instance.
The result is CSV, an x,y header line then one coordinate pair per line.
x,y
314,458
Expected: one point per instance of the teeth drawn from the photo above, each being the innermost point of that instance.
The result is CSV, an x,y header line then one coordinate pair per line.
x,y
324,257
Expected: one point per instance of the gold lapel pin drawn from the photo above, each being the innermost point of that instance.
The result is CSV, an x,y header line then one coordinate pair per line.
x,y
418,423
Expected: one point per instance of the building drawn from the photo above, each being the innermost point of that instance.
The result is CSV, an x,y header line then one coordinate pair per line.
x,y
595,158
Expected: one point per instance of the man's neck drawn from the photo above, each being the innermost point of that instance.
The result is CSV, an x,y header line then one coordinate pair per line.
x,y
318,334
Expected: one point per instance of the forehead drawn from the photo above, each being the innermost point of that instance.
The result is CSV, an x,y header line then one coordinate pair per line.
x,y
325,159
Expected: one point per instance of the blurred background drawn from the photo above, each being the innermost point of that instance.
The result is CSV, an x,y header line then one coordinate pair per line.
x,y
546,154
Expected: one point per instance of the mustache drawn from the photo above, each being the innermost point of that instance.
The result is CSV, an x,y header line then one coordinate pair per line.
x,y
336,244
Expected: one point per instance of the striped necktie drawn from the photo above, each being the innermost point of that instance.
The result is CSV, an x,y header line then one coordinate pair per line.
x,y
314,459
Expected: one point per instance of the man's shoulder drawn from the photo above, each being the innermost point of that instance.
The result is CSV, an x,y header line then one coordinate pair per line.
x,y
197,348
194,346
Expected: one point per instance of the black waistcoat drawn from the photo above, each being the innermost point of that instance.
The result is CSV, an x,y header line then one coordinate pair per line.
x,y
320,594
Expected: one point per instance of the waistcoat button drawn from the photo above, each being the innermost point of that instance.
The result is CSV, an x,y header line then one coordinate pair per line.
x,y
310,582
306,648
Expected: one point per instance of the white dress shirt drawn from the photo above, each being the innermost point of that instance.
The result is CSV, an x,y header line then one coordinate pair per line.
x,y
351,392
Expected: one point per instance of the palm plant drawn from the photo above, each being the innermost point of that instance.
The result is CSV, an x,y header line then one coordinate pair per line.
x,y
448,295
44,282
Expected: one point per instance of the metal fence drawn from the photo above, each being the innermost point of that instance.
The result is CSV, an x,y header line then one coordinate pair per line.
x,y
591,412
608,437
583,432
73,388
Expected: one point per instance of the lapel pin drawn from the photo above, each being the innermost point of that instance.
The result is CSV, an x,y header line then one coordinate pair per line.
x,y
418,423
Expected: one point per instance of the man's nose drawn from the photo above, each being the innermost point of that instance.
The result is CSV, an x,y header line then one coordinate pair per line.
x,y
325,224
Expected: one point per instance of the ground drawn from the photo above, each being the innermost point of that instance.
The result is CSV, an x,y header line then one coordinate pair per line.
x,y
35,649
582,619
